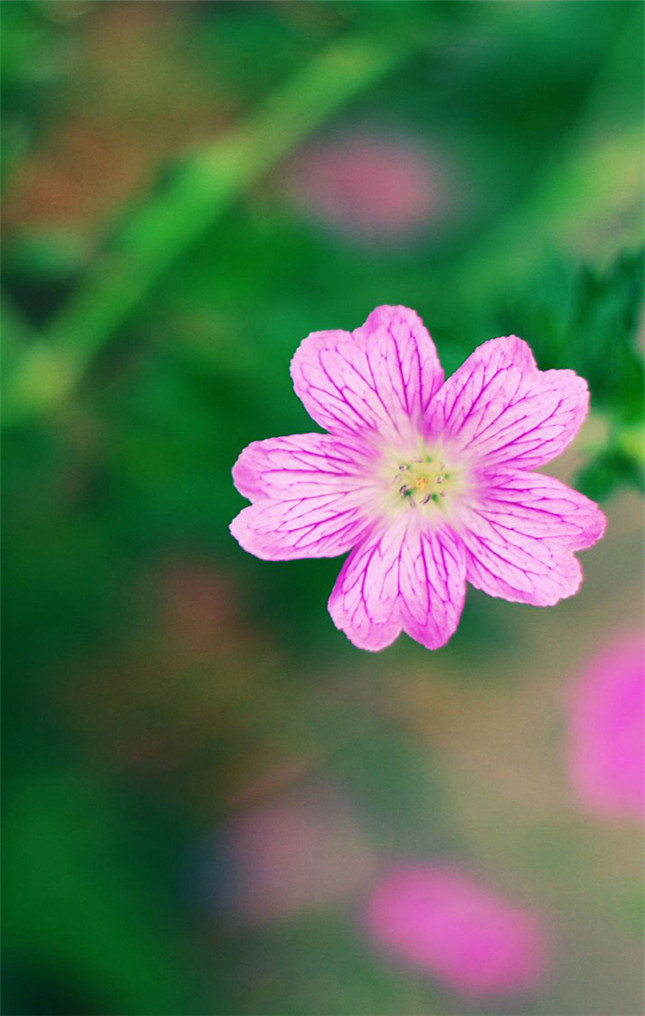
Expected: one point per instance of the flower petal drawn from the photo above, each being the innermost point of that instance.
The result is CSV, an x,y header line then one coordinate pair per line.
x,y
499,407
521,533
301,465
606,735
376,380
402,577
311,493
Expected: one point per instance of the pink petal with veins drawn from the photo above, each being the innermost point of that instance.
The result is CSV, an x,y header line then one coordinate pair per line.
x,y
401,578
499,408
311,496
520,533
376,381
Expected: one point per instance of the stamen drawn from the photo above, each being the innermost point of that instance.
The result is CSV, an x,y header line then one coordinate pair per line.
x,y
426,480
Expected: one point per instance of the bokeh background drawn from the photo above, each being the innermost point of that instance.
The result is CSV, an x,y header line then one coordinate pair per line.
x,y
206,785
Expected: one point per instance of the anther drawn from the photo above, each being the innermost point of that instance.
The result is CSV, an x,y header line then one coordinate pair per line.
x,y
404,490
427,498
403,467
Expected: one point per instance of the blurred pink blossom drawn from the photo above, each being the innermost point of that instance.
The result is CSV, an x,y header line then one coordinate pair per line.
x,y
606,730
369,185
294,854
442,921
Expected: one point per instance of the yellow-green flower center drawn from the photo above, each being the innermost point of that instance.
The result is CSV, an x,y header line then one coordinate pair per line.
x,y
424,479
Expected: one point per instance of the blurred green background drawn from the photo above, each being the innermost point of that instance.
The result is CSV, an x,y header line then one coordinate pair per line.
x,y
190,188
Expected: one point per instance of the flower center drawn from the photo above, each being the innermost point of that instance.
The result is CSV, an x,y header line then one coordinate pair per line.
x,y
425,479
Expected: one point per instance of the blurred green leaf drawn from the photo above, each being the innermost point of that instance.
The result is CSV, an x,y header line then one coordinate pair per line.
x,y
588,320
599,338
611,469
79,905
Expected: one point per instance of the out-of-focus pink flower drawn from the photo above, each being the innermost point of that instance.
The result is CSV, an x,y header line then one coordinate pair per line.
x,y
606,736
369,185
445,923
294,855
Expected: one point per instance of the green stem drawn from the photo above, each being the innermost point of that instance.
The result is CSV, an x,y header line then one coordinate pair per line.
x,y
159,232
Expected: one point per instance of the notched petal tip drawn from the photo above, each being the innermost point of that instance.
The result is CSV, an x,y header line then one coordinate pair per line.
x,y
378,379
400,580
263,541
573,390
507,351
593,523
430,640
242,531
310,347
522,536
575,578
500,409
244,476
378,637
387,314
601,525
309,492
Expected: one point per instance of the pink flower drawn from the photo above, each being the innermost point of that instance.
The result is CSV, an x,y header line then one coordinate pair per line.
x,y
295,854
429,484
371,185
443,922
606,735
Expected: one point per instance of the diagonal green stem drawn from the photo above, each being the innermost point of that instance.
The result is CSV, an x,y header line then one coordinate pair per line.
x,y
158,233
